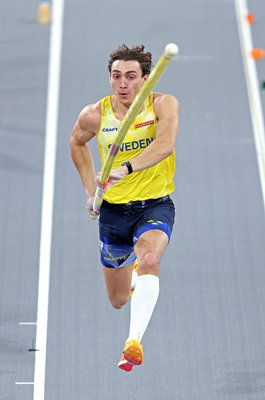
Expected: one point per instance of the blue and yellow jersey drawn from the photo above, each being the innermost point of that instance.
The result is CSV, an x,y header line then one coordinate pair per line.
x,y
151,183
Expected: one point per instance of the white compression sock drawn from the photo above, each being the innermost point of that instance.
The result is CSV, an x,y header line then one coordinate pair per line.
x,y
134,279
142,305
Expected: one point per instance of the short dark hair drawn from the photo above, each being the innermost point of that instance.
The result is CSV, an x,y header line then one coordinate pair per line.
x,y
136,53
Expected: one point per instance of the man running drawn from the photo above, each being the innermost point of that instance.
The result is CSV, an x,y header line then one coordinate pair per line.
x,y
137,215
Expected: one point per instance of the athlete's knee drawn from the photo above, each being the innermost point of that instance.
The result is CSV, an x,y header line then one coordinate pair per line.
x,y
149,263
118,303
117,300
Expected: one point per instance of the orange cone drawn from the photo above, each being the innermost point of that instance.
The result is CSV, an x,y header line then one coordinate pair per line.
x,y
250,18
44,13
257,54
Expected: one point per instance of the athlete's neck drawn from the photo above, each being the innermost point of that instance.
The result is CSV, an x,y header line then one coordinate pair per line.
x,y
119,108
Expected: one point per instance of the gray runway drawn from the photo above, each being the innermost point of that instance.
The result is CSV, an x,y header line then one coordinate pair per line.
x,y
23,85
206,338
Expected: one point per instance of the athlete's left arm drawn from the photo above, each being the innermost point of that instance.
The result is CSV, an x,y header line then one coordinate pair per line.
x,y
166,108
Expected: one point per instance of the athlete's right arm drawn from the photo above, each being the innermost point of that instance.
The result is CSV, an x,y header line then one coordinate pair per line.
x,y
85,128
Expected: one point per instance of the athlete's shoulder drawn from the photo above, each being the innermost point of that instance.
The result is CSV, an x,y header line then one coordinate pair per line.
x,y
165,101
89,117
165,97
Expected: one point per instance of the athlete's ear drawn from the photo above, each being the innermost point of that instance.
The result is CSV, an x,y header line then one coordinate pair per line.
x,y
145,77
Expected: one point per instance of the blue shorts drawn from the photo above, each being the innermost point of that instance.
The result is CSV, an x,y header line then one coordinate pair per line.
x,y
120,225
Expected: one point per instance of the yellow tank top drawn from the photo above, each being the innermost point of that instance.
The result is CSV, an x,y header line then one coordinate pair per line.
x,y
151,183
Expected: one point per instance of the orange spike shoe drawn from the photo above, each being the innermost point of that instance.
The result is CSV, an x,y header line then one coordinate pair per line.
x,y
124,364
133,352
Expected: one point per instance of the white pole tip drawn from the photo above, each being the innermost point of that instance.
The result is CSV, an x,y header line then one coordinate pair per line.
x,y
171,49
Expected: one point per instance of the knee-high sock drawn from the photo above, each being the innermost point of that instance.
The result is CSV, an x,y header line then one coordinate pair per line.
x,y
134,279
143,303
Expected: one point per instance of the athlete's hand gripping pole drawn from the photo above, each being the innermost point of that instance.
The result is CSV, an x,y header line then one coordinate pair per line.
x,y
170,51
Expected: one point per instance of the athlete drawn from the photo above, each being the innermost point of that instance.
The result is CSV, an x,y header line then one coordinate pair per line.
x,y
137,214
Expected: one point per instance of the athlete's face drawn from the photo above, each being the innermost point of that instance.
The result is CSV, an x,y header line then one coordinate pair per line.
x,y
126,80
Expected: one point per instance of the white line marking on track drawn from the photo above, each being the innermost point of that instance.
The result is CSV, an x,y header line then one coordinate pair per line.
x,y
24,383
27,323
53,92
253,88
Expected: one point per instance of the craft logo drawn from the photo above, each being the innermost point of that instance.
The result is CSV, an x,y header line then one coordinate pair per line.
x,y
146,123
109,129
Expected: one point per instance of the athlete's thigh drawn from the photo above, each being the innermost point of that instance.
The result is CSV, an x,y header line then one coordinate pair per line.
x,y
152,241
152,233
118,280
154,227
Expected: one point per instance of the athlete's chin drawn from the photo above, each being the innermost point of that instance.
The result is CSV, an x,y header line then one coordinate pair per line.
x,y
125,100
